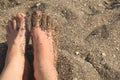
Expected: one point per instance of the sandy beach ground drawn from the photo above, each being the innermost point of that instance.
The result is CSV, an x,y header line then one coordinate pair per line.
x,y
89,35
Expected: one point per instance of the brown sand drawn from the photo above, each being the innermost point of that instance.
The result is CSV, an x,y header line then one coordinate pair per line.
x,y
89,35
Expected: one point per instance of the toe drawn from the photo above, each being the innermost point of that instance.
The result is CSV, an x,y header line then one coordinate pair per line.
x,y
7,30
23,15
46,22
20,23
10,26
20,20
14,23
36,19
49,22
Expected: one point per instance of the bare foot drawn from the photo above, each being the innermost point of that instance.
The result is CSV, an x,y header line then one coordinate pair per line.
x,y
15,60
44,55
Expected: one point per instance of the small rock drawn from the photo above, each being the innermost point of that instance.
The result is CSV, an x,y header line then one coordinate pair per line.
x,y
28,6
77,53
38,4
114,55
75,79
117,49
103,54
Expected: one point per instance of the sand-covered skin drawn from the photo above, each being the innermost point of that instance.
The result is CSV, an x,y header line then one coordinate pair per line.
x,y
89,35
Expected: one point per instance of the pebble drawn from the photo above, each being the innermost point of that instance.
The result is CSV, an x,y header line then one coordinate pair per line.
x,y
77,53
38,4
114,55
103,54
75,79
28,6
117,49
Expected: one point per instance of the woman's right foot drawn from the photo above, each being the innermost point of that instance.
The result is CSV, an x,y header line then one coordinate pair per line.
x,y
44,55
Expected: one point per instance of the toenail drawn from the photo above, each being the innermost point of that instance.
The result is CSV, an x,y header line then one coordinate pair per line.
x,y
23,15
19,15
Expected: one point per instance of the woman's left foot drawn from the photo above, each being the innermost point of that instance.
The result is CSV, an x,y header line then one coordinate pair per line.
x,y
16,41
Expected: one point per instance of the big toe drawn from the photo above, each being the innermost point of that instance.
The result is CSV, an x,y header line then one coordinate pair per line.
x,y
36,19
20,20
